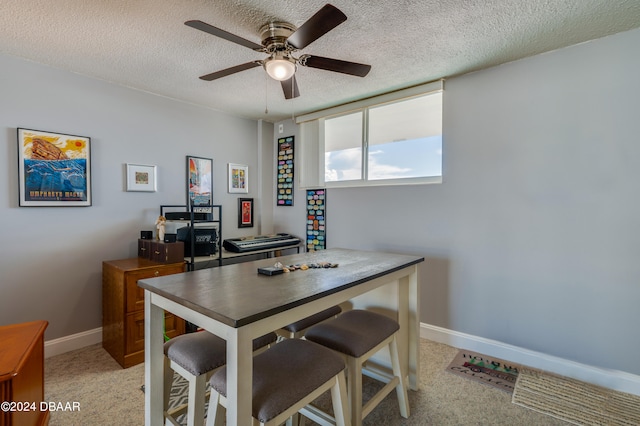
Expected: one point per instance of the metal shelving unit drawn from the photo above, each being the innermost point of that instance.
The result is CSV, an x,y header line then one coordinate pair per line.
x,y
215,217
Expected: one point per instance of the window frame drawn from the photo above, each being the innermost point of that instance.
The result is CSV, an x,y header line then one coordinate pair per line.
x,y
316,178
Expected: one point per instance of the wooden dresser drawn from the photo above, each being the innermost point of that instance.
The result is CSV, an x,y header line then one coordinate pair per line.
x,y
123,307
22,374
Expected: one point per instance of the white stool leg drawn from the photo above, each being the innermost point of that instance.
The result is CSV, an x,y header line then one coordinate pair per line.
x,y
340,402
401,389
216,413
168,382
195,411
354,386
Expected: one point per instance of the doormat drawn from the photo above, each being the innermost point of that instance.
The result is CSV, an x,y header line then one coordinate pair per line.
x,y
491,371
574,401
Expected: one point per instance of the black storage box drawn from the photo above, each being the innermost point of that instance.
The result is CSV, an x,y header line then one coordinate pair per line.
x,y
206,240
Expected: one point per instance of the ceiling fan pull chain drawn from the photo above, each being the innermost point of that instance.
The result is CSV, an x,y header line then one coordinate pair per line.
x,y
293,109
266,93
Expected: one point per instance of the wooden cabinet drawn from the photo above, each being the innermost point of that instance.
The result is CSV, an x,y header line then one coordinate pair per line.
x,y
22,374
123,307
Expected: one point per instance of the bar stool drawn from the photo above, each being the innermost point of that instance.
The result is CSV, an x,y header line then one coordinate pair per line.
x,y
297,329
358,335
196,356
287,377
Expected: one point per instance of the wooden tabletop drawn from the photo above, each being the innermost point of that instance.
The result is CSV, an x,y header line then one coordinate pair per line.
x,y
18,340
237,295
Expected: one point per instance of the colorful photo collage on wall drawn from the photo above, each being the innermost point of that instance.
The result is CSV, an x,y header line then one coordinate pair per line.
x,y
316,210
285,171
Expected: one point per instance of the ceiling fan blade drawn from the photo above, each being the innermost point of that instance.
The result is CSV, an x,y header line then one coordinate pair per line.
x,y
290,88
232,70
337,65
203,26
318,25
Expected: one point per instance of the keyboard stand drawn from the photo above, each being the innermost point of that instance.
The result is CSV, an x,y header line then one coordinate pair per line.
x,y
200,262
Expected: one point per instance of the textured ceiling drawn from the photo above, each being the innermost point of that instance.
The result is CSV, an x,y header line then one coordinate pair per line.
x,y
145,45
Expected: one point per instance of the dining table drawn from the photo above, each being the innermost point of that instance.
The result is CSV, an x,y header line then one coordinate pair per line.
x,y
238,304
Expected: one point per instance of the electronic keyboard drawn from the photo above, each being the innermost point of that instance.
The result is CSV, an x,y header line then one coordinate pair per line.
x,y
260,242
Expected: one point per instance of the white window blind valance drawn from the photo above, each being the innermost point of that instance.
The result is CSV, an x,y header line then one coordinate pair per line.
x,y
423,89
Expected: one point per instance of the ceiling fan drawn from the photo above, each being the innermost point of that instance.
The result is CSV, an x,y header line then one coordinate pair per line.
x,y
280,40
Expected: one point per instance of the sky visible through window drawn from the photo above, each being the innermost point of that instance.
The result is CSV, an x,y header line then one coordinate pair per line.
x,y
393,160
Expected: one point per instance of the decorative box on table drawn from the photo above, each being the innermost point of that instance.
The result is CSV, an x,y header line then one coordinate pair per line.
x,y
159,251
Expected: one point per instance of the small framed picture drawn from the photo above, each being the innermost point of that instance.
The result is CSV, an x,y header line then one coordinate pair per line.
x,y
238,179
245,212
141,178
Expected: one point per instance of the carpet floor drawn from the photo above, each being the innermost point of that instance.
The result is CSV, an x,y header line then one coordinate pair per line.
x,y
574,401
109,395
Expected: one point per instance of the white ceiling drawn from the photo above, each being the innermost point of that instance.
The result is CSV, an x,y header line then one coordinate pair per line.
x,y
145,45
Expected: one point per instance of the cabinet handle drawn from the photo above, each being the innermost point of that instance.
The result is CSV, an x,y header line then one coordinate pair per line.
x,y
157,252
143,249
156,273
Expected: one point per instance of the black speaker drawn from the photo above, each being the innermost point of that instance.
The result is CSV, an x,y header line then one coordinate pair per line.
x,y
146,235
205,240
170,238
185,216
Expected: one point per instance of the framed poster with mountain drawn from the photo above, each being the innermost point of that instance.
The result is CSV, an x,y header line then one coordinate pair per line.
x,y
54,169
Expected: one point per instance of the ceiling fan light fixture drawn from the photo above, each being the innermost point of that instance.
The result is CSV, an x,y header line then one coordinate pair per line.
x,y
280,67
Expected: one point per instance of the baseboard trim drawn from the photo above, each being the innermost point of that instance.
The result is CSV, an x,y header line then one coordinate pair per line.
x,y
72,342
611,379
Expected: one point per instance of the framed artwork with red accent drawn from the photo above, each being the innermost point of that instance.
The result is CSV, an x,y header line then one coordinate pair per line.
x,y
245,212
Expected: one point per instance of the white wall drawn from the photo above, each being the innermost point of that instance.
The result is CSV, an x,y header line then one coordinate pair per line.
x,y
51,258
533,238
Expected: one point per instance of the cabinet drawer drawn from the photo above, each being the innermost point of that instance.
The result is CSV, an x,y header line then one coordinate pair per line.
x,y
173,325
144,248
135,295
167,252
135,332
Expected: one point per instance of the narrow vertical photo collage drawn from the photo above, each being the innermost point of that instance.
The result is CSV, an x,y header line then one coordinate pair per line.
x,y
285,172
316,210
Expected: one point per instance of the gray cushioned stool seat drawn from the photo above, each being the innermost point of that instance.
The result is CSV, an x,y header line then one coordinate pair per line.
x,y
353,333
313,319
202,351
284,374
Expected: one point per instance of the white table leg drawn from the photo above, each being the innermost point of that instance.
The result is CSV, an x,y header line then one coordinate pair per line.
x,y
239,377
153,362
409,335
414,329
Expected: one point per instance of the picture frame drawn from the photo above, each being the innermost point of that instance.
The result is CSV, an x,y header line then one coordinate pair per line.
x,y
284,180
141,178
54,169
199,183
245,212
316,219
238,178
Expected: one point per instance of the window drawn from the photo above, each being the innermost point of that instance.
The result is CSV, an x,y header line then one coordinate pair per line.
x,y
389,140
343,148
